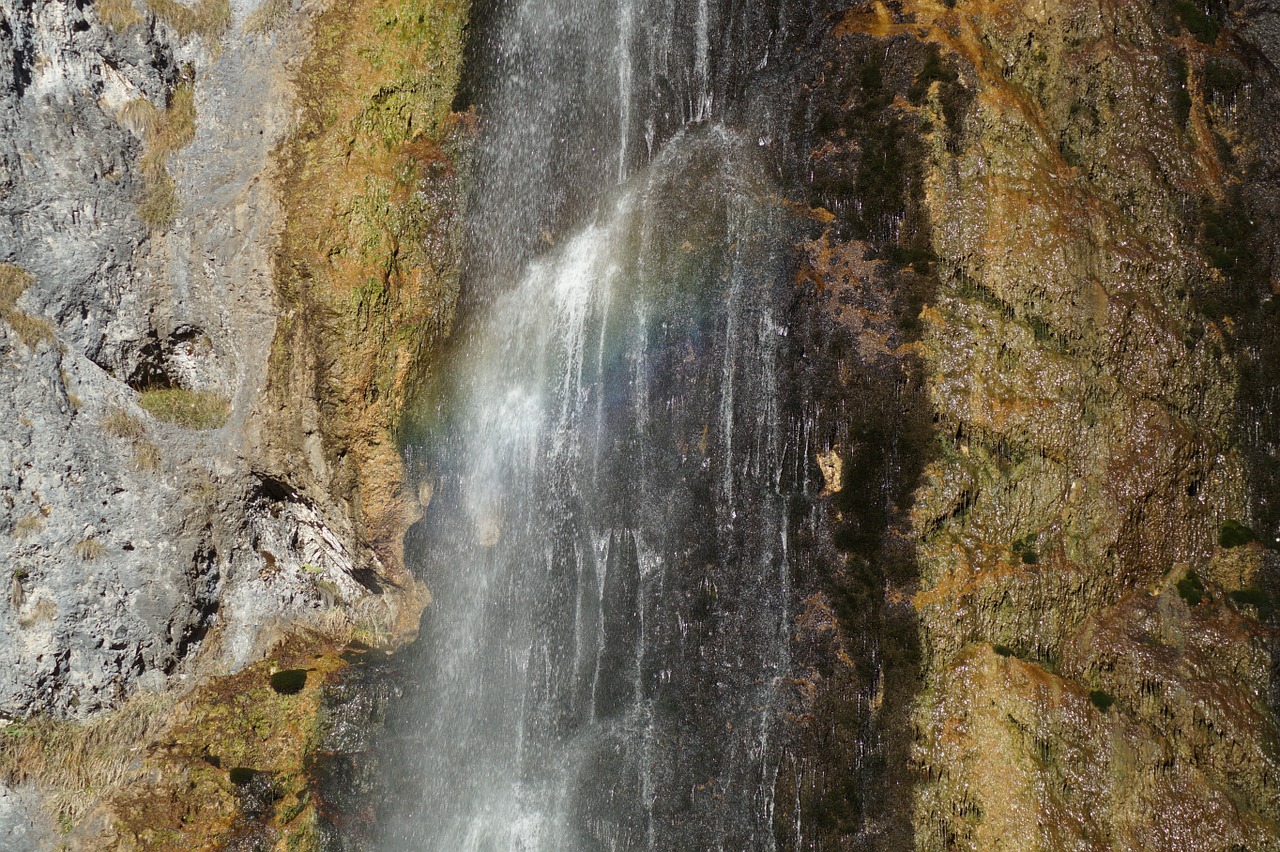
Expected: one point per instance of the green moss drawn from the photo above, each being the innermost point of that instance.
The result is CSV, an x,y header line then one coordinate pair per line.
x,y
1232,533
1191,589
1101,700
1025,549
1003,650
934,70
1254,597
1203,26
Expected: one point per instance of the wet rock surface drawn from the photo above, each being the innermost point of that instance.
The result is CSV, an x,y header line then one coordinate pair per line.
x,y
1032,371
1098,302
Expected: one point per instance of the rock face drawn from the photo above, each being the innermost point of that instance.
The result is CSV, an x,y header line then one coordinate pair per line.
x,y
1040,612
174,500
131,537
1097,653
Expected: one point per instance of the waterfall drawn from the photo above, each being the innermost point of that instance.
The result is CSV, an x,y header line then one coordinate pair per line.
x,y
602,666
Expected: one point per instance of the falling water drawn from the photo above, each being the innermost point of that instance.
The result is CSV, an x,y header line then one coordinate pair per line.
x,y
602,665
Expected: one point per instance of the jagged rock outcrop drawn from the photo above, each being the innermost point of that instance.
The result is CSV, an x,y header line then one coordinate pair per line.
x,y
183,488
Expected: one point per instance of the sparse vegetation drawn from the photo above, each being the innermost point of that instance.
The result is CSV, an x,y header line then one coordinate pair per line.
x,y
192,409
70,763
14,281
88,549
121,424
29,525
43,610
140,116
209,19
267,16
329,592
163,131
146,455
371,182
118,14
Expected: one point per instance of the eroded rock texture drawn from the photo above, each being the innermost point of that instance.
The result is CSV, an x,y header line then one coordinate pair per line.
x,y
1035,344
1097,648
180,489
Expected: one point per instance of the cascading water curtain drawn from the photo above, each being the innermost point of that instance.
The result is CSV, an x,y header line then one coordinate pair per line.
x,y
603,663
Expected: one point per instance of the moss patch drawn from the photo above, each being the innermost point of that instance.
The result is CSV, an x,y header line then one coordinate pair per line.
x,y
1191,589
367,264
231,769
1234,534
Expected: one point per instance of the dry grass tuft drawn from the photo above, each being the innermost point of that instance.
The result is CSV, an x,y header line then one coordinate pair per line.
x,y
33,331
14,281
43,610
208,18
140,116
159,206
267,16
192,409
30,525
89,549
146,456
118,14
121,424
71,763
163,131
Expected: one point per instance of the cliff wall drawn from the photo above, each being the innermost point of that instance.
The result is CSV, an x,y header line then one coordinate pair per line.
x,y
226,247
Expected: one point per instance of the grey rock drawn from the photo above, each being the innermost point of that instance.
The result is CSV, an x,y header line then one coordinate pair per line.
x,y
126,556
22,825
